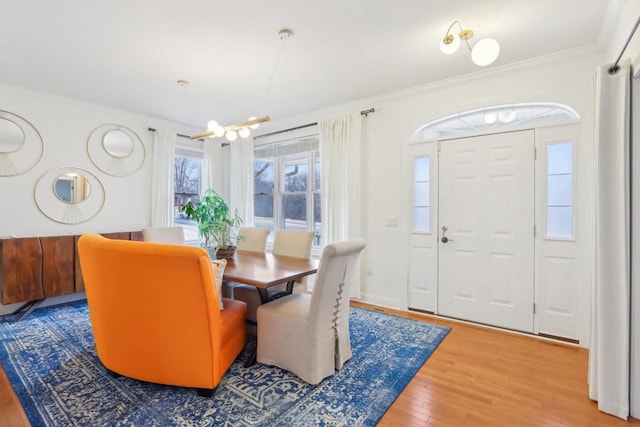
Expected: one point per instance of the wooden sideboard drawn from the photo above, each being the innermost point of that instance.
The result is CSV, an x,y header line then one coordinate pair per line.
x,y
35,268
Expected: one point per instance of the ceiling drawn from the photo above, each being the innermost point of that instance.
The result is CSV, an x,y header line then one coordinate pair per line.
x,y
129,54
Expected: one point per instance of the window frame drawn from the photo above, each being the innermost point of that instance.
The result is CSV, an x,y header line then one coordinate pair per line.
x,y
429,182
546,205
309,158
191,227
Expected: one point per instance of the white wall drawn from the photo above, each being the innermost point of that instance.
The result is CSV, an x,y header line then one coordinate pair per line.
x,y
567,80
65,126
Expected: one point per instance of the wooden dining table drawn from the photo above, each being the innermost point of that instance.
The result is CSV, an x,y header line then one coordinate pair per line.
x,y
265,271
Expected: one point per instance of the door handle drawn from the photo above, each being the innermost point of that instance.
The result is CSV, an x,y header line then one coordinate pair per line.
x,y
444,238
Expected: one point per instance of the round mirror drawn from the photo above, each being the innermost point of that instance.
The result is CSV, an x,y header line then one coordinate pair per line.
x,y
71,188
117,143
11,136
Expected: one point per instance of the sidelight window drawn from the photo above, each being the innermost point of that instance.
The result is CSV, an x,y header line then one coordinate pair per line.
x,y
560,190
421,194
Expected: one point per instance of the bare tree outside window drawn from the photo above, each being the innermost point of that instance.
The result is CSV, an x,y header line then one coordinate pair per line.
x,y
186,189
287,191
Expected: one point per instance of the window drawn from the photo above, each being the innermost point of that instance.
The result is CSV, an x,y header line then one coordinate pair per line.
x,y
498,117
560,190
187,177
287,186
421,194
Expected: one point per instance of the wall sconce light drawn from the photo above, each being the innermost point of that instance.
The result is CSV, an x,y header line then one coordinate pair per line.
x,y
483,53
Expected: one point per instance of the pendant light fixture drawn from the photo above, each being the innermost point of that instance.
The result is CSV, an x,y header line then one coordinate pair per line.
x,y
484,52
243,129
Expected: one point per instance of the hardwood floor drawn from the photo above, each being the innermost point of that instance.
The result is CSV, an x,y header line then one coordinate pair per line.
x,y
485,377
476,377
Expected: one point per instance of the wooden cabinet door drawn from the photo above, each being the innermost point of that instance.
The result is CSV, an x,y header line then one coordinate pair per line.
x,y
21,270
58,265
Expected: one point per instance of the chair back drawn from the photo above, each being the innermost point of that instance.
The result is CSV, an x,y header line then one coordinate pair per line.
x,y
173,235
254,239
294,243
154,310
329,306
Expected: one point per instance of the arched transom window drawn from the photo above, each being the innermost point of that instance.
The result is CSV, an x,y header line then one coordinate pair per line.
x,y
497,117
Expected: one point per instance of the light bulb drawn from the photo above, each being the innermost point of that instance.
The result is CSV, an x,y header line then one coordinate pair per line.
x,y
244,133
232,135
254,126
453,43
490,117
211,125
507,116
218,131
485,52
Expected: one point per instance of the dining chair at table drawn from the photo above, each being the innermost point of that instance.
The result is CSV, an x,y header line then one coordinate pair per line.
x,y
173,235
155,312
293,243
308,334
252,239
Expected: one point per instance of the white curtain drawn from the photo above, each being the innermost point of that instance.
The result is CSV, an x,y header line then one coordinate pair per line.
x,y
211,165
241,179
162,178
340,170
610,322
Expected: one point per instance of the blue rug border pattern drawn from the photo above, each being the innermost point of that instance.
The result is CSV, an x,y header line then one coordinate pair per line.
x,y
359,394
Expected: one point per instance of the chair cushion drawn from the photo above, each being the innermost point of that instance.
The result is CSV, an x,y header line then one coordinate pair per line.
x,y
218,268
232,318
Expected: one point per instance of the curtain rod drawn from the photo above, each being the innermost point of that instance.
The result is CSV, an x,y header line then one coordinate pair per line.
x,y
363,113
286,130
180,135
614,68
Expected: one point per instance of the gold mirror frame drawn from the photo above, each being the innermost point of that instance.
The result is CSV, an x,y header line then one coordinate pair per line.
x,y
53,207
121,163
26,155
11,135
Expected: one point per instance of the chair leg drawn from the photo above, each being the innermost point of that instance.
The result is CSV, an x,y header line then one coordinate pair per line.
x,y
112,374
206,392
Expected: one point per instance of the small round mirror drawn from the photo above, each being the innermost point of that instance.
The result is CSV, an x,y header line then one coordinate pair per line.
x,y
72,188
11,136
117,143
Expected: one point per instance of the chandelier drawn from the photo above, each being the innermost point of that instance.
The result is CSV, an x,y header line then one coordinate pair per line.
x,y
483,53
243,129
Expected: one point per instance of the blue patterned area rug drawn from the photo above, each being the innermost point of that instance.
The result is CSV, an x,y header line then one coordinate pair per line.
x,y
51,362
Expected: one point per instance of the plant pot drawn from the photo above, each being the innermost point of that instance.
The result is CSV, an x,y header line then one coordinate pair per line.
x,y
212,252
226,253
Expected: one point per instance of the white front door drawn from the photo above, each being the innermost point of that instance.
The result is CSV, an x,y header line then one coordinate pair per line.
x,y
486,206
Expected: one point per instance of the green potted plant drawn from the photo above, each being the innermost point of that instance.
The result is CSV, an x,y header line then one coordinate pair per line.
x,y
217,227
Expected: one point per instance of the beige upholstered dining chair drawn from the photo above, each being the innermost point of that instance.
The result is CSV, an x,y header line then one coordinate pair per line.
x,y
173,235
254,239
308,334
293,243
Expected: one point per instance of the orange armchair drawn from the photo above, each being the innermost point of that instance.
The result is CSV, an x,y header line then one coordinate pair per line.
x,y
155,312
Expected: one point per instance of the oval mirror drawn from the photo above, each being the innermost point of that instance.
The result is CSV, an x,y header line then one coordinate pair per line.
x,y
11,136
117,143
71,188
